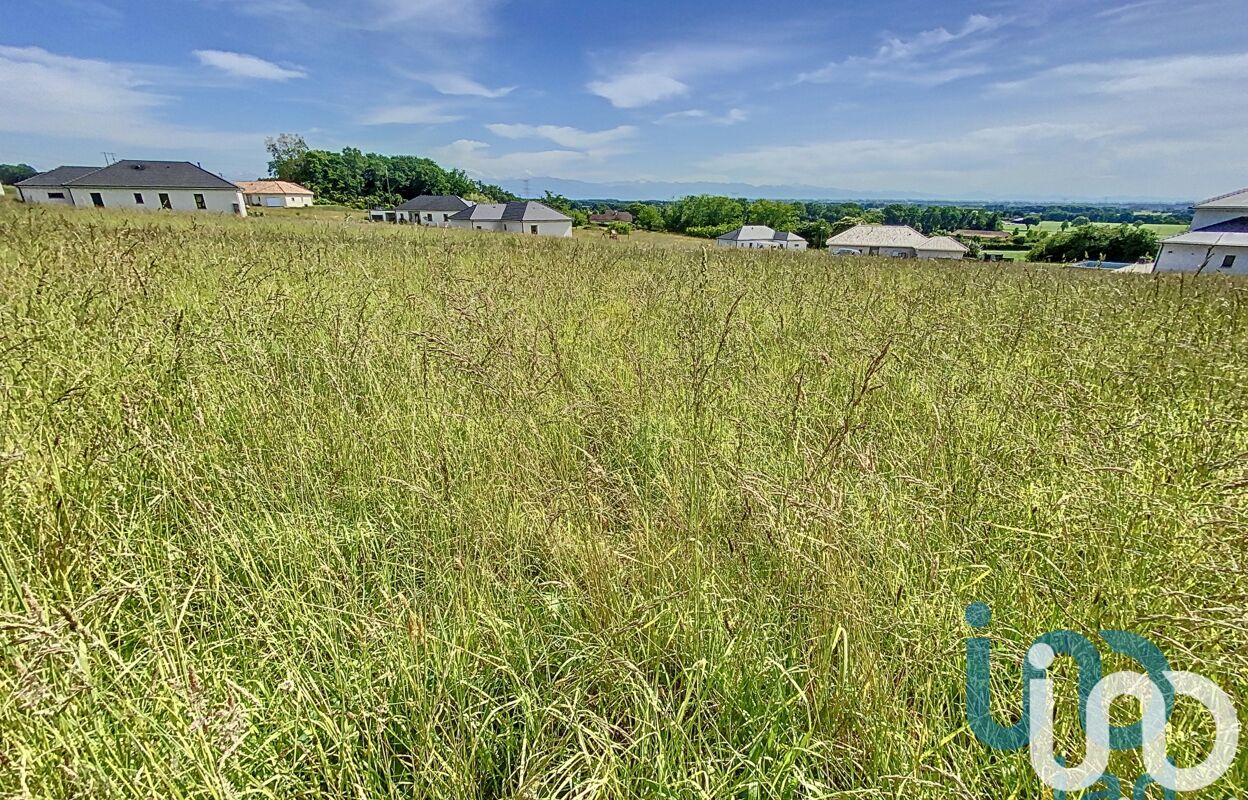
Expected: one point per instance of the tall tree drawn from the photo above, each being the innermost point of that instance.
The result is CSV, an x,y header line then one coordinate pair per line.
x,y
285,152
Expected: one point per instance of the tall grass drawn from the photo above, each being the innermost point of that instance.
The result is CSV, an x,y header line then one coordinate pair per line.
x,y
303,510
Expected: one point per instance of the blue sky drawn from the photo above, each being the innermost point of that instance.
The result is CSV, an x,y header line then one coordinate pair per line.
x,y
1073,98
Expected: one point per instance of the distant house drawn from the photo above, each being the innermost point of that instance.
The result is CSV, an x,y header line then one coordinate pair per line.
x,y
1217,241
761,237
973,234
608,217
275,194
433,210
529,218
144,185
897,241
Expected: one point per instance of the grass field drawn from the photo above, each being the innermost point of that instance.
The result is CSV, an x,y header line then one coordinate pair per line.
x,y
594,234
315,510
1053,227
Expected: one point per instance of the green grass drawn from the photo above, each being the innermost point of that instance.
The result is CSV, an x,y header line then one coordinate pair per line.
x,y
1162,230
318,510
1009,255
637,236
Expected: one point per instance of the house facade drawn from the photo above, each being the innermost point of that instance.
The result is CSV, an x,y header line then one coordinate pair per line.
x,y
760,237
529,218
141,185
1216,243
276,194
432,210
897,241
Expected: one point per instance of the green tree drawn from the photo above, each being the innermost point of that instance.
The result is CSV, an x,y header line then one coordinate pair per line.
x,y
816,232
12,173
704,211
285,152
774,214
646,216
1122,243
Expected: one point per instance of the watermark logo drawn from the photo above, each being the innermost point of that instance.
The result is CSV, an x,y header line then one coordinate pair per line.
x,y
1155,688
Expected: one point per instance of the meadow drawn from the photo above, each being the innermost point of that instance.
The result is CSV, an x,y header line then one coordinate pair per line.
x,y
1162,230
291,508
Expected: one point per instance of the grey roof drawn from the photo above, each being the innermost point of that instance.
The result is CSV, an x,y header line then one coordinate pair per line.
x,y
786,236
749,233
57,177
431,202
902,236
531,211
154,175
483,211
528,211
1237,199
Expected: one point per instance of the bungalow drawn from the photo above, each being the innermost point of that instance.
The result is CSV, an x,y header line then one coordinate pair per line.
x,y
607,217
433,210
1217,241
529,217
896,241
761,237
169,185
276,194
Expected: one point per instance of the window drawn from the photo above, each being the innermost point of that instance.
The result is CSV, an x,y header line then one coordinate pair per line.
x,y
138,198
237,210
56,195
428,218
446,217
533,229
1228,262
200,203
164,201
97,199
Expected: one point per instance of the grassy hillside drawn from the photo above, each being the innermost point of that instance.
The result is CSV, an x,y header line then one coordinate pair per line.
x,y
301,509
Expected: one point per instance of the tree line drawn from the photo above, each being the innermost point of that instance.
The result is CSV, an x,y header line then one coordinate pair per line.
x,y
711,216
369,180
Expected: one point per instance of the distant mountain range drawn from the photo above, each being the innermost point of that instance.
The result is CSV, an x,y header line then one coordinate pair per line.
x,y
669,190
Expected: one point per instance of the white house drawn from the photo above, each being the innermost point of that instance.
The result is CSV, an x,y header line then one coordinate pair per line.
x,y
143,185
896,241
530,218
1217,241
276,194
761,237
435,210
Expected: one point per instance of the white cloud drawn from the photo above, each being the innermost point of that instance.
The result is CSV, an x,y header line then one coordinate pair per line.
x,y
638,89
451,84
730,117
1168,73
415,114
475,158
63,97
907,60
665,74
564,136
241,65
897,49
467,18
896,163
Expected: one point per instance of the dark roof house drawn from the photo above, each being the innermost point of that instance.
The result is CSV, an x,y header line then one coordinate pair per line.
x,y
524,211
57,177
429,202
149,175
